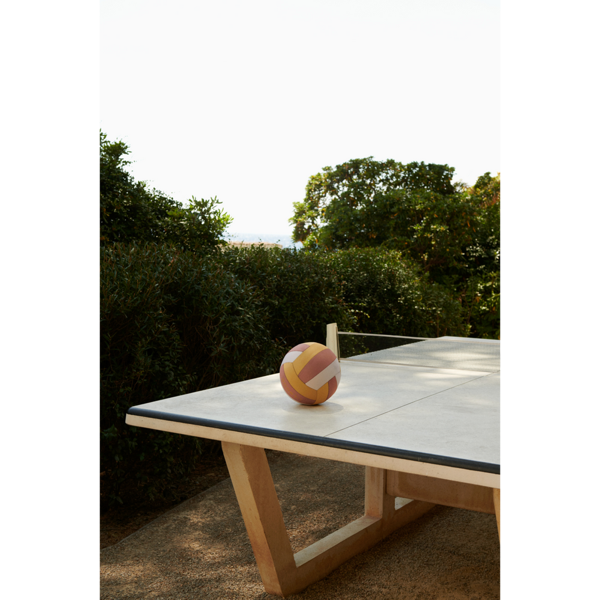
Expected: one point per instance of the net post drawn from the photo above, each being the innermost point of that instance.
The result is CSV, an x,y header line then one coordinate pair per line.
x,y
332,339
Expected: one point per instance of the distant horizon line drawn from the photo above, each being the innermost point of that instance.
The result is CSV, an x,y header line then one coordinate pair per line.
x,y
285,239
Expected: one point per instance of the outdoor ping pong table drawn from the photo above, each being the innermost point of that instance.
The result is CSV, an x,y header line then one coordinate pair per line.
x,y
423,419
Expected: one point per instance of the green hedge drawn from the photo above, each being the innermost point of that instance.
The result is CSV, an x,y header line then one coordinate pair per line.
x,y
388,295
172,322
300,292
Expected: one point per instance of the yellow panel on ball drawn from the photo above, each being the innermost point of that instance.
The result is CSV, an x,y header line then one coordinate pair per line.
x,y
310,373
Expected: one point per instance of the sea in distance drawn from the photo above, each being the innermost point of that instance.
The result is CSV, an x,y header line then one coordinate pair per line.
x,y
285,239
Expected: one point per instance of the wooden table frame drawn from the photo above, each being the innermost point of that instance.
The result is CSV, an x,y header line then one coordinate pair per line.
x,y
419,485
283,572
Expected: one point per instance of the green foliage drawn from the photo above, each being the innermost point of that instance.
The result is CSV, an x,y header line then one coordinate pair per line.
x,y
480,287
483,255
432,229
328,216
172,322
300,292
129,211
481,305
388,295
452,232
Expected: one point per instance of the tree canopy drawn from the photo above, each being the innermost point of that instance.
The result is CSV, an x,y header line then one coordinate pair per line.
x,y
449,229
130,211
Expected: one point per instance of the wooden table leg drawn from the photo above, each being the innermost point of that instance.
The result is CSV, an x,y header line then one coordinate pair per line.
x,y
257,498
282,572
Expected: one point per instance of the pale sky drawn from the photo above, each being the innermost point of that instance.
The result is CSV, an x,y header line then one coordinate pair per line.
x,y
245,100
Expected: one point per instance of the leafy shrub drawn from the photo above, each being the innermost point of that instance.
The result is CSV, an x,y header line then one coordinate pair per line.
x,y
131,211
300,292
388,295
481,303
336,212
449,230
483,255
480,289
172,322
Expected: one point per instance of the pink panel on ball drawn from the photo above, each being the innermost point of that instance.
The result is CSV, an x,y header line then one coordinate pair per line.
x,y
316,364
290,391
306,401
332,387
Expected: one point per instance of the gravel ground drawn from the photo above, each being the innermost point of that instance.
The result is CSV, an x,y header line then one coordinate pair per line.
x,y
200,549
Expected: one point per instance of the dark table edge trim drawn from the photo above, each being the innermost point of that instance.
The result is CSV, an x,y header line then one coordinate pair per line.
x,y
446,461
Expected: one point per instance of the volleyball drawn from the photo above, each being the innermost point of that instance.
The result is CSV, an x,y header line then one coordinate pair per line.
x,y
310,373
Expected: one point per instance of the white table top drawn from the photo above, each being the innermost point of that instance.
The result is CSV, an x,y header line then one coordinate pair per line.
x,y
437,413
